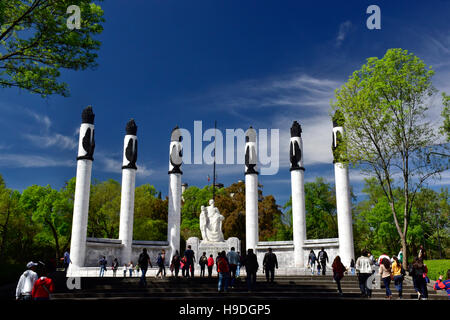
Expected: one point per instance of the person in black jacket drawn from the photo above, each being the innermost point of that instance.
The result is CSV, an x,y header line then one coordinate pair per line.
x,y
269,264
251,267
323,259
144,261
190,260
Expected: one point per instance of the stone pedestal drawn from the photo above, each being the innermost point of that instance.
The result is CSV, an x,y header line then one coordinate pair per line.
x,y
200,246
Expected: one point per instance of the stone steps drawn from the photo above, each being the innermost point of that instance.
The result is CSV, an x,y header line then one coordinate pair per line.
x,y
284,288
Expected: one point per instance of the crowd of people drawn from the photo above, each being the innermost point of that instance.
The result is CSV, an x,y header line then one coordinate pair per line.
x,y
228,267
390,269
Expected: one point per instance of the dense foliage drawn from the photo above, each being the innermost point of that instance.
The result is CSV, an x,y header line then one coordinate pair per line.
x,y
36,43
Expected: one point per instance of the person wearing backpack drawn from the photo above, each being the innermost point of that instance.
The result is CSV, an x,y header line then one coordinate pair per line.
x,y
323,259
144,261
42,288
203,262
223,269
312,261
210,265
161,264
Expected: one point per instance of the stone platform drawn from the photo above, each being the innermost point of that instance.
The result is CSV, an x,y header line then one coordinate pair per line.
x,y
200,246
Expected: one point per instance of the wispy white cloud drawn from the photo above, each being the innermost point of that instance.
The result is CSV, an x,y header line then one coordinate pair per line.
x,y
32,161
51,140
344,29
113,164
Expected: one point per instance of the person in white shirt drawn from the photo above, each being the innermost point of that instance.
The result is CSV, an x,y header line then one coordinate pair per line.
x,y
364,269
26,282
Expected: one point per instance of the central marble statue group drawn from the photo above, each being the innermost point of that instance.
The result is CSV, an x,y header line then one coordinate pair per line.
x,y
211,223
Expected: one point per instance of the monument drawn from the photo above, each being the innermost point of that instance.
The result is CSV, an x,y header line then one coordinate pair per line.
x,y
291,254
212,241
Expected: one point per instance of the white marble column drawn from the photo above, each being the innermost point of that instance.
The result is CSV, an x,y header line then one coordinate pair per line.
x,y
174,210
344,213
86,146
251,191
128,188
298,194
343,200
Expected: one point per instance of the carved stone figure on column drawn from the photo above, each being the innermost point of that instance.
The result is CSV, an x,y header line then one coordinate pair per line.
x,y
88,141
203,222
176,151
250,151
131,149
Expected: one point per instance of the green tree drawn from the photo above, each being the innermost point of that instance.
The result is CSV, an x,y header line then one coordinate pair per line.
x,y
445,129
50,210
35,43
150,214
373,222
387,135
320,206
8,209
193,199
104,209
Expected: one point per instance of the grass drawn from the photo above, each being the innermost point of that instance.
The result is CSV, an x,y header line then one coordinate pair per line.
x,y
437,268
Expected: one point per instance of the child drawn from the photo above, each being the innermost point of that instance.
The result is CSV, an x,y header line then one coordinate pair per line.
x,y
130,268
318,268
125,270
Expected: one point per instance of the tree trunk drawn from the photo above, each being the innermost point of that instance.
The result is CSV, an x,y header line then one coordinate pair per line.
x,y
55,236
5,231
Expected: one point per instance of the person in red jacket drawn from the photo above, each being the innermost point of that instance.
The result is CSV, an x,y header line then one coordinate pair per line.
x,y
210,265
42,289
223,268
338,272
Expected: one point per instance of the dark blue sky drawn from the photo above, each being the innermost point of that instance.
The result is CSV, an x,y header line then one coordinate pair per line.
x,y
242,63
